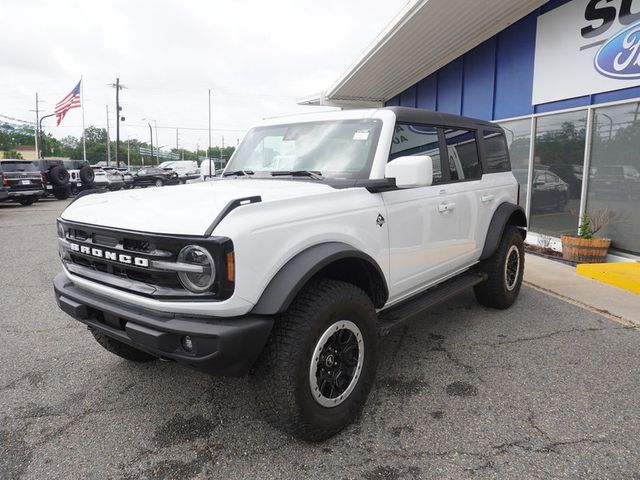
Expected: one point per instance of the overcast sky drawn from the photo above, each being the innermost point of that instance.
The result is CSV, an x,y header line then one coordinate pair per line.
x,y
256,56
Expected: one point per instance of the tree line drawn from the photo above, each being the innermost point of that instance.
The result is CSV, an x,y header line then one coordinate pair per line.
x,y
12,136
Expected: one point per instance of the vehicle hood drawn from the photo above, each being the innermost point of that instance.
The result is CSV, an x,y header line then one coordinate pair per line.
x,y
181,210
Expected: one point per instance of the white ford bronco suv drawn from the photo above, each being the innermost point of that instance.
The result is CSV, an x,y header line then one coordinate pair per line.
x,y
325,231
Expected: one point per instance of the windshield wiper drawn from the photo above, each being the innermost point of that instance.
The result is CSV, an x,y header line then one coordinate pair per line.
x,y
238,173
315,174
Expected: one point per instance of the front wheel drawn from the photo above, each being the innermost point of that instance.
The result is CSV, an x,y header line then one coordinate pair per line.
x,y
319,364
159,183
505,269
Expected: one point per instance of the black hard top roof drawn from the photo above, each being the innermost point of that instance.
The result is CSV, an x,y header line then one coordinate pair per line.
x,y
429,117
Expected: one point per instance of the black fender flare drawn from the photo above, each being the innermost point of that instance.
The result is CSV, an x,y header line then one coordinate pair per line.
x,y
295,274
506,213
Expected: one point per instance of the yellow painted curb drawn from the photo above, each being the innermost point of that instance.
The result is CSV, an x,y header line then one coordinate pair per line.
x,y
622,275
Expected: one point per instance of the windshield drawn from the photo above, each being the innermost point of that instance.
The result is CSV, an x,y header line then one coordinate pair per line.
x,y
336,149
18,167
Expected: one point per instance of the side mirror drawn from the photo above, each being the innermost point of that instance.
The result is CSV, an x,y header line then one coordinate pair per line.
x,y
410,172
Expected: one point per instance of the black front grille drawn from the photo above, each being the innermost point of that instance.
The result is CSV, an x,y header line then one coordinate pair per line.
x,y
93,244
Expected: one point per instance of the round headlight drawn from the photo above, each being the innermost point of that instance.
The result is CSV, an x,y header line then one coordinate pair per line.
x,y
201,281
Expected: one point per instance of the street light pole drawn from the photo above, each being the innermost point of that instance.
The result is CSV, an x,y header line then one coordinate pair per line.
x,y
151,135
108,140
40,133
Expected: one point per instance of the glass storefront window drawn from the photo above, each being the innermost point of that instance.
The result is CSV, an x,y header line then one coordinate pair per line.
x,y
614,180
557,176
518,135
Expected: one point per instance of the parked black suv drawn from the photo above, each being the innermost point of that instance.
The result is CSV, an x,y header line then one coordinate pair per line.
x,y
22,181
155,176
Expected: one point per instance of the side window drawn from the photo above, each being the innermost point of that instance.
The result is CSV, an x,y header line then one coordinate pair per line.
x,y
414,139
495,147
462,150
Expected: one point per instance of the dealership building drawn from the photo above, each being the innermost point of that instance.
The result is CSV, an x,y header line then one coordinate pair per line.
x,y
561,77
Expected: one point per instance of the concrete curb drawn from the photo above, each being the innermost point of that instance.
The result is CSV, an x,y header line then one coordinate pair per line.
x,y
563,281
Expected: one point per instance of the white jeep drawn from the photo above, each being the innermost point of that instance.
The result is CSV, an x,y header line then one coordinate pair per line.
x,y
325,231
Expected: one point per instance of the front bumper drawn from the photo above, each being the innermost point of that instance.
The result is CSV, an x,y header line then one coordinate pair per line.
x,y
226,346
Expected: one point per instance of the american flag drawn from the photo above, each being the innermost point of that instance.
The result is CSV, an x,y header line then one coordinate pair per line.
x,y
67,103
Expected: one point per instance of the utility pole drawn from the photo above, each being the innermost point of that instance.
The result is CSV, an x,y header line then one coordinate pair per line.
x,y
209,149
118,87
37,128
108,139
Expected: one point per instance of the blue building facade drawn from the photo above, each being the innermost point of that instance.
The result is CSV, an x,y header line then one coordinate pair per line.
x,y
494,81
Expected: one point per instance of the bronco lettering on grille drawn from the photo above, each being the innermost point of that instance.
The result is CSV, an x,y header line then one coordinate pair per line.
x,y
109,255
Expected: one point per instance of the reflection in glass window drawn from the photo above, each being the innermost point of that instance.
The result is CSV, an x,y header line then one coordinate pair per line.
x,y
462,151
496,151
557,182
518,136
614,180
417,140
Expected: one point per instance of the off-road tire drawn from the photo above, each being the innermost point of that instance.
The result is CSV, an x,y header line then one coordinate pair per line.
x,y
59,176
87,175
27,201
62,193
282,376
495,291
122,349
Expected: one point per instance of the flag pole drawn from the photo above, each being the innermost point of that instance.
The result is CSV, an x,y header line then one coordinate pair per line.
x,y
84,144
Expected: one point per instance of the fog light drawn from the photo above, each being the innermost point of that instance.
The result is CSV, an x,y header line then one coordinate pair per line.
x,y
187,344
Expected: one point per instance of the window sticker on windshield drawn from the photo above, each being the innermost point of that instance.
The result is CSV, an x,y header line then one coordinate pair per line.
x,y
361,135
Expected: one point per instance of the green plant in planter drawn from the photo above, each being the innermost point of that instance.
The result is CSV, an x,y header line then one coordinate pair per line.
x,y
594,222
584,230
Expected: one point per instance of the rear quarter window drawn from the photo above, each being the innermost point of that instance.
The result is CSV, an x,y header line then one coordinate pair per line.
x,y
497,155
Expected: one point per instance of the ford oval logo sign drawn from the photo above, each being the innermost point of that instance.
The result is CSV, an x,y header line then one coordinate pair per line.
x,y
619,57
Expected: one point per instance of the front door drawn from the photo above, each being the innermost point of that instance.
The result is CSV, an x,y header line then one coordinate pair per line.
x,y
431,233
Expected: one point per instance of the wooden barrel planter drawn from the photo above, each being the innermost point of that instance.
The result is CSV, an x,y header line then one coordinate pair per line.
x,y
582,250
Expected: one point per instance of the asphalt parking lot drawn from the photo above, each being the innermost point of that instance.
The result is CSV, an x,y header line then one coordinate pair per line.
x,y
543,390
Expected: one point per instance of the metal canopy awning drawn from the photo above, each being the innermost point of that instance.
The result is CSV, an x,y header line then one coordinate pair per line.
x,y
424,37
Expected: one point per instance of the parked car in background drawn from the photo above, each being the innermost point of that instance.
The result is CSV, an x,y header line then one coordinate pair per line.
x,y
210,168
549,192
155,176
21,181
571,175
56,178
187,170
619,181
127,177
4,194
108,178
81,174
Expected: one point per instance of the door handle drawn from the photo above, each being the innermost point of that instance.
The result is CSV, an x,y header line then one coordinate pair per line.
x,y
487,198
446,207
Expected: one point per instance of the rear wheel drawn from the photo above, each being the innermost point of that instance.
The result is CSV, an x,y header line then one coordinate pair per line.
x,y
319,364
122,349
505,269
27,201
